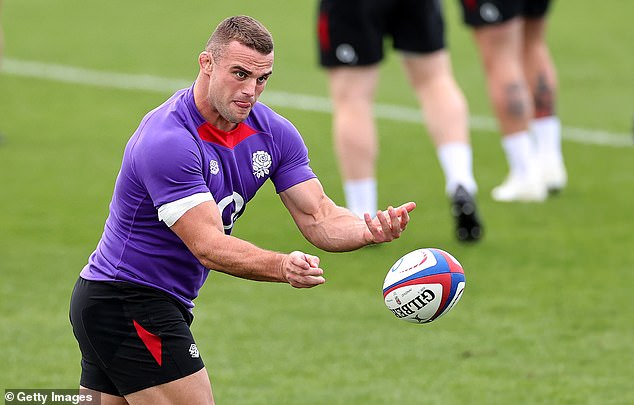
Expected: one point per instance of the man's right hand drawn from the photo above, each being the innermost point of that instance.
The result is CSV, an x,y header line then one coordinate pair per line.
x,y
302,270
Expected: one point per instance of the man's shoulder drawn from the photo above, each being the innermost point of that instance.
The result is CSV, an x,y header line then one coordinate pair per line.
x,y
169,121
164,136
177,104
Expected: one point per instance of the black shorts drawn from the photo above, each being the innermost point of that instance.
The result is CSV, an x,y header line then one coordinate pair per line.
x,y
351,32
131,337
477,13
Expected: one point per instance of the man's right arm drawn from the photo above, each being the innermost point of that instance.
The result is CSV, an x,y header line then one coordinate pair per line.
x,y
201,229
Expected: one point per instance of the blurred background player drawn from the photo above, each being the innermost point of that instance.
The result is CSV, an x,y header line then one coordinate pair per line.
x,y
350,35
522,86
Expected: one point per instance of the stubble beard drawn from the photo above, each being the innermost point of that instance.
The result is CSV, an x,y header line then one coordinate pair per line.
x,y
225,111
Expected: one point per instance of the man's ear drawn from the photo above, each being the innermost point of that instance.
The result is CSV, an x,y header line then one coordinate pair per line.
x,y
205,61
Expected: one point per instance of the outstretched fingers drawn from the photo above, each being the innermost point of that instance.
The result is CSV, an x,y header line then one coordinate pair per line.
x,y
404,219
388,225
375,231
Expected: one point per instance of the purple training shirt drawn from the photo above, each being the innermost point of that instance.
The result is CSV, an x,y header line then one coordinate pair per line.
x,y
174,154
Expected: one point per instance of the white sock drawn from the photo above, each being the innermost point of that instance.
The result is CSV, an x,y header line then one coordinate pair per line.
x,y
520,153
361,196
547,132
456,161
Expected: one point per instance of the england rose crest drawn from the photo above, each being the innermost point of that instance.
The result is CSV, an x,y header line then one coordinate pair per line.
x,y
261,163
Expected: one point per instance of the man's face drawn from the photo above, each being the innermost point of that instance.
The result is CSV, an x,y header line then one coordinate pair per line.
x,y
237,80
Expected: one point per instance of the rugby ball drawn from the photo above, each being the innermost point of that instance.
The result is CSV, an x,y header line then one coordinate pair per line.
x,y
423,285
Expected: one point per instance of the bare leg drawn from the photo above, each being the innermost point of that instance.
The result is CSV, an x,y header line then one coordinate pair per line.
x,y
501,47
195,389
355,135
444,109
542,80
101,398
445,112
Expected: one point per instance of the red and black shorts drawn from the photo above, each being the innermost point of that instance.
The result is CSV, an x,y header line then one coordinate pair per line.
x,y
352,32
477,13
131,337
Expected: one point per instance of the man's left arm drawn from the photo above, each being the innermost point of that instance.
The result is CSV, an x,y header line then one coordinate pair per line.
x,y
336,229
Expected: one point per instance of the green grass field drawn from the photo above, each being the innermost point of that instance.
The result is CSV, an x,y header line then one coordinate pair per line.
x,y
547,316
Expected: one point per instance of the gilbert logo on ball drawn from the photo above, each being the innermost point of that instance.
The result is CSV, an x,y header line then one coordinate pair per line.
x,y
423,285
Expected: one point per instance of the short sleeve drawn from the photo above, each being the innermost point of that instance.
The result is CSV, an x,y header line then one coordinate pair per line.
x,y
294,166
169,164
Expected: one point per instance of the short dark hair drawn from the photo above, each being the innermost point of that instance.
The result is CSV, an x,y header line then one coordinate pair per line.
x,y
241,28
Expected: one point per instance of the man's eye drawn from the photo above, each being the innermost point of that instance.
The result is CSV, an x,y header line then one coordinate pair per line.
x,y
241,75
262,79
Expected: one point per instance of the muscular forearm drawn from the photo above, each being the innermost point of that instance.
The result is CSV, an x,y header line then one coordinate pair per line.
x,y
242,259
200,228
338,231
335,229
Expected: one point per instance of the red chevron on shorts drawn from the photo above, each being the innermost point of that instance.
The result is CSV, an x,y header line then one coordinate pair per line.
x,y
151,341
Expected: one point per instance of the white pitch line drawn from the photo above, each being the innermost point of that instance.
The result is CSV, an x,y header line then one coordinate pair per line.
x,y
304,102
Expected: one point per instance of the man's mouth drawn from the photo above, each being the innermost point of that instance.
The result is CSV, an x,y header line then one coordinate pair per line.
x,y
243,104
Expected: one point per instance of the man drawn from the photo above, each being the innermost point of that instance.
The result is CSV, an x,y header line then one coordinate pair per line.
x,y
522,86
351,35
187,174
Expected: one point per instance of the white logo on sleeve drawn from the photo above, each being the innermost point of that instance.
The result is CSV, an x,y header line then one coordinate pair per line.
x,y
193,351
261,163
